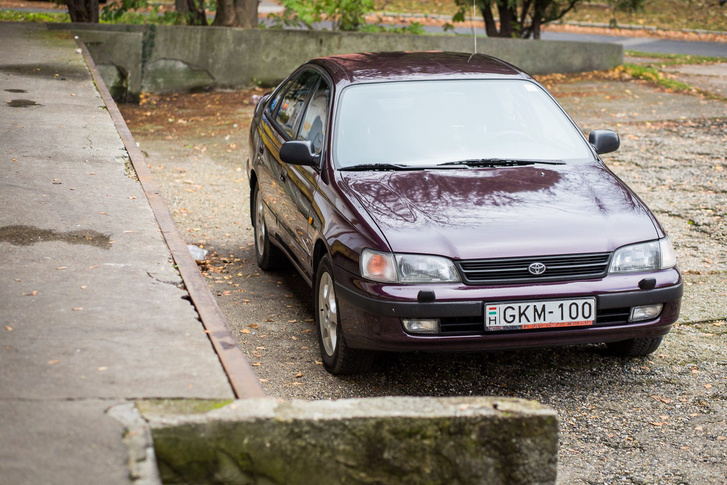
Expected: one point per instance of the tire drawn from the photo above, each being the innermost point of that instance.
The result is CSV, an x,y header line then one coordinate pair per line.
x,y
266,255
338,358
635,347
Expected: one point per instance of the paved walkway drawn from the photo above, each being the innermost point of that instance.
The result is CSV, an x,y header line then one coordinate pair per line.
x,y
92,311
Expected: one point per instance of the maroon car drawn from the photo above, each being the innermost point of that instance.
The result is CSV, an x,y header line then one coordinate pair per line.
x,y
446,202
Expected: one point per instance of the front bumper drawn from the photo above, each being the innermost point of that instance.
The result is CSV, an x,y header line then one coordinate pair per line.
x,y
371,314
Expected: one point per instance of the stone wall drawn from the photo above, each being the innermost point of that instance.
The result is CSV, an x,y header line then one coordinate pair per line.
x,y
163,59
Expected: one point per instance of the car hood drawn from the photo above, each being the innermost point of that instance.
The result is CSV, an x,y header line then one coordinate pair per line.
x,y
503,212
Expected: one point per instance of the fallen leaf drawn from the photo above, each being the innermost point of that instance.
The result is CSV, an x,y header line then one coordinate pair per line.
x,y
101,369
264,380
256,364
299,374
62,267
78,309
32,293
244,330
8,328
254,325
708,386
54,362
297,383
318,362
307,330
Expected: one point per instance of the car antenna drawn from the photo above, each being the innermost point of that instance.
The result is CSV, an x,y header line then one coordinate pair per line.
x,y
474,33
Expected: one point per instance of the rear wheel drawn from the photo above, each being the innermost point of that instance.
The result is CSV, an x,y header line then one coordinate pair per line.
x,y
266,255
338,358
635,347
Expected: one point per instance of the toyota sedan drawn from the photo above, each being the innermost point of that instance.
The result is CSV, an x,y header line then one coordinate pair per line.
x,y
446,202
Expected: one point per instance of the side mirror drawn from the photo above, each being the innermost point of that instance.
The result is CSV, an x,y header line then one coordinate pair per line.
x,y
604,141
299,153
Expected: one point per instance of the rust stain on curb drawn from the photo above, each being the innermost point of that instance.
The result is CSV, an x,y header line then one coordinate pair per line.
x,y
243,380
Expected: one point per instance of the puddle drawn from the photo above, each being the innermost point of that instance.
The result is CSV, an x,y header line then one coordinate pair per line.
x,y
22,103
16,90
59,72
27,235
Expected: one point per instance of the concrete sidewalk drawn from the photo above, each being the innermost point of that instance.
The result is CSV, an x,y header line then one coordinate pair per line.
x,y
92,311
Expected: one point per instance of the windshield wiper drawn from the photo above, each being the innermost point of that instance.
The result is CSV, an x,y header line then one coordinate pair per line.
x,y
500,162
364,167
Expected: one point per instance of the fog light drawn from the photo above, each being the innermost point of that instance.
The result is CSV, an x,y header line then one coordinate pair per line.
x,y
646,312
421,325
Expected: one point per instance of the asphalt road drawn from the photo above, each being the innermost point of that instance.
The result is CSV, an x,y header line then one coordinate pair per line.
x,y
644,44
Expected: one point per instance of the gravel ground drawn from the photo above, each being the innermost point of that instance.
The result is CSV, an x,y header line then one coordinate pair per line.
x,y
654,420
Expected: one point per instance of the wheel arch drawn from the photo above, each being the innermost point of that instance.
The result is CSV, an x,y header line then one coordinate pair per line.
x,y
319,251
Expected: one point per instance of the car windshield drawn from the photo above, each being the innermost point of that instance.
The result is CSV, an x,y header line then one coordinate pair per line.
x,y
429,123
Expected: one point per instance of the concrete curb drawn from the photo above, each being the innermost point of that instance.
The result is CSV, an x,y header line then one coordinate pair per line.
x,y
242,379
392,440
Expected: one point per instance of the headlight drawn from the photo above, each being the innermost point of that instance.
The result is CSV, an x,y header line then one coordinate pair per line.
x,y
651,256
407,268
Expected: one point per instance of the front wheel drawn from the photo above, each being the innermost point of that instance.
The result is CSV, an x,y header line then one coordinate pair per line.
x,y
635,347
338,358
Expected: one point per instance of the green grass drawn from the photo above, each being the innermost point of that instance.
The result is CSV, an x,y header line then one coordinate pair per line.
x,y
18,16
655,76
675,59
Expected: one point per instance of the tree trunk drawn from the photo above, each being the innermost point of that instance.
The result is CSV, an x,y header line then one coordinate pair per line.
x,y
490,26
507,15
225,16
247,13
236,13
195,14
85,11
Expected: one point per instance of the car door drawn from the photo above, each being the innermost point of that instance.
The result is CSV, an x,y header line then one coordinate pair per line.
x,y
291,187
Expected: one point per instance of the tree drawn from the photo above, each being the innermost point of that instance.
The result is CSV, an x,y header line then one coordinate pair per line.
x,y
83,10
517,18
344,15
236,13
191,12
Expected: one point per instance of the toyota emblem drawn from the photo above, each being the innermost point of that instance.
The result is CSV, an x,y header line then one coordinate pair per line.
x,y
537,268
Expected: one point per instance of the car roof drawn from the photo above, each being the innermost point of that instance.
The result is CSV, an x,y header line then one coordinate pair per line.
x,y
398,66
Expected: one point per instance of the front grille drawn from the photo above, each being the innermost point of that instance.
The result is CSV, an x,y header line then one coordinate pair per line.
x,y
515,270
475,325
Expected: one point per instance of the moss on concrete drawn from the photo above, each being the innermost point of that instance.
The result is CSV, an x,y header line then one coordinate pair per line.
x,y
382,440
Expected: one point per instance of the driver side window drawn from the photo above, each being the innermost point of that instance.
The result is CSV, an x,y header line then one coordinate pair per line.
x,y
293,102
315,120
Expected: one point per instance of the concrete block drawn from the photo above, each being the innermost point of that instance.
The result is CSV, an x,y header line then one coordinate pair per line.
x,y
119,58
182,58
392,440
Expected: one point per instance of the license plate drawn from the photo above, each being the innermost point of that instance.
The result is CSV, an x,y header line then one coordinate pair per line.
x,y
525,315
